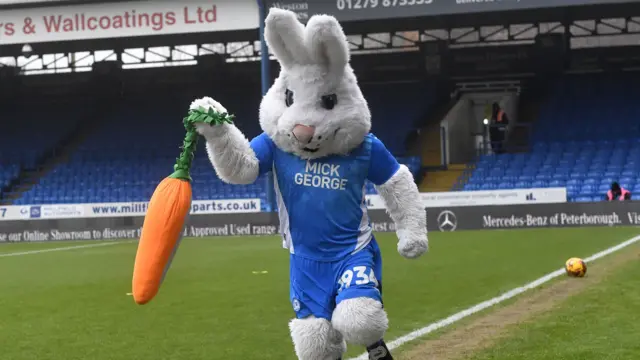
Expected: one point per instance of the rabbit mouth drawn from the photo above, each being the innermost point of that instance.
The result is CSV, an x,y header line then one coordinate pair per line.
x,y
312,150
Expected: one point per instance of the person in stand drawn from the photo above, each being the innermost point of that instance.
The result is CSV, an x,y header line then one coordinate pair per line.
x,y
618,193
498,128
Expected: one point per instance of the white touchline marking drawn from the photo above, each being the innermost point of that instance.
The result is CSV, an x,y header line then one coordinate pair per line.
x,y
59,249
496,300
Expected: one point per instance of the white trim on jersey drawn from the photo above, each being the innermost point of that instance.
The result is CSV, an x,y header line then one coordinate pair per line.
x,y
364,238
287,243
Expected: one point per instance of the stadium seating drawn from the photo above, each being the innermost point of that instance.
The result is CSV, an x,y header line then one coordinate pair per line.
x,y
125,159
395,108
29,132
587,136
8,173
136,146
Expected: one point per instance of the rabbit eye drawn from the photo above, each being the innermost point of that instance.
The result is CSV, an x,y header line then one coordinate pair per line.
x,y
288,97
329,101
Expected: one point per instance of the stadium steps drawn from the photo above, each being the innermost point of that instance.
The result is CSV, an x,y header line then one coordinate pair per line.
x,y
463,179
428,144
28,178
442,180
6,193
531,100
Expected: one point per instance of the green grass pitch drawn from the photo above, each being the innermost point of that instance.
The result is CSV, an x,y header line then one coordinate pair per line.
x,y
600,323
217,302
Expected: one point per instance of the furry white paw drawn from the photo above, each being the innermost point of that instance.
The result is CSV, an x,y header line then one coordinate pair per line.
x,y
362,321
411,244
206,103
316,339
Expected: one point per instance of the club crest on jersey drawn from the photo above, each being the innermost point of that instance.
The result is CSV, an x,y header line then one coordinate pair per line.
x,y
321,175
296,305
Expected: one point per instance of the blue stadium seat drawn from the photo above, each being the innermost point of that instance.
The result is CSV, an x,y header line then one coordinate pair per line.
x,y
43,136
130,152
571,145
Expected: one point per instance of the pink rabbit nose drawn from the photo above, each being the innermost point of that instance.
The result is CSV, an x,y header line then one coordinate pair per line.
x,y
303,133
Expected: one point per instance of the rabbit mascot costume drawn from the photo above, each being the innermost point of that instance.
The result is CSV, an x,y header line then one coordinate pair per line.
x,y
316,141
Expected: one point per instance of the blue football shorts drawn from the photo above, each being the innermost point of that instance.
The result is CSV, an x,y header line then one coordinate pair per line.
x,y
317,287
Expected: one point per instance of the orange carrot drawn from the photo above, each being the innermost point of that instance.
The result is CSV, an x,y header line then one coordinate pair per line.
x,y
167,213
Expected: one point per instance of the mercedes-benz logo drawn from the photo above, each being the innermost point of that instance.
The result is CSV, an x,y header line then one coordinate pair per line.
x,y
447,221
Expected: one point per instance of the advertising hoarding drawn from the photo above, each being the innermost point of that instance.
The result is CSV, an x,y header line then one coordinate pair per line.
x,y
128,209
125,19
354,10
374,202
446,219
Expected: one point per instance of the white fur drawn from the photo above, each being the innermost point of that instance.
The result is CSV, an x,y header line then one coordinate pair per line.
x,y
206,103
361,321
316,339
327,42
314,63
228,149
402,199
284,34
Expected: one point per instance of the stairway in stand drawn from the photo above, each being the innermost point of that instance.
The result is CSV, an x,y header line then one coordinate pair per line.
x,y
531,99
442,180
28,178
430,149
428,144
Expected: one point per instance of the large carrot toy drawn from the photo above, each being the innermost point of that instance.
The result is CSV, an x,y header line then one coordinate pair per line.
x,y
167,213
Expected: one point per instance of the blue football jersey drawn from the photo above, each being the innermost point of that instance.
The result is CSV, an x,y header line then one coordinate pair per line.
x,y
321,202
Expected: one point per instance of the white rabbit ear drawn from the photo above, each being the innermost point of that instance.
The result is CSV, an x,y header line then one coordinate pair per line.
x,y
284,35
327,42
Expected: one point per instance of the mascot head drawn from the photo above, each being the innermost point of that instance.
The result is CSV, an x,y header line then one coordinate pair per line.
x,y
315,107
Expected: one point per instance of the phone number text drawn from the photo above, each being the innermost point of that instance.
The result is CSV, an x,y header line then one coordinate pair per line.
x,y
370,4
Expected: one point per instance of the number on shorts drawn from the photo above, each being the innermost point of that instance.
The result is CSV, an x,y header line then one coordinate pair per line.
x,y
361,277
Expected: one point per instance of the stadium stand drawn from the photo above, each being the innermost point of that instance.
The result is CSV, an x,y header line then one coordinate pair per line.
x,y
130,151
45,124
395,109
126,157
586,137
8,173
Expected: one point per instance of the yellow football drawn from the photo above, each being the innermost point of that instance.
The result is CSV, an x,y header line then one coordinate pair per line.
x,y
575,267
